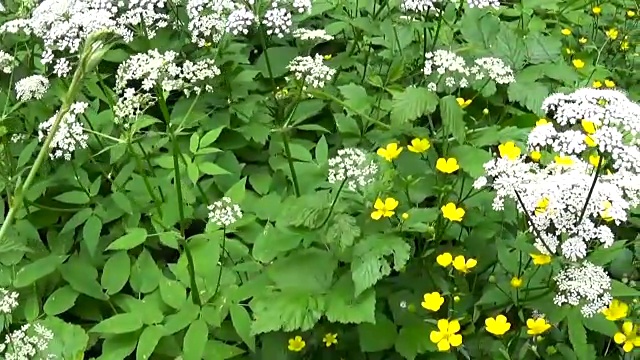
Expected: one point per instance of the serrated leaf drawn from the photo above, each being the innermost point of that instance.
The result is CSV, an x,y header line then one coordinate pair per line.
x,y
116,272
274,311
195,340
242,323
342,231
578,336
307,271
118,324
413,339
131,239
343,307
411,104
541,48
371,264
378,336
528,94
356,98
452,118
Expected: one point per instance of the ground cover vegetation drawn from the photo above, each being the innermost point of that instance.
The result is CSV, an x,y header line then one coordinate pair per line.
x,y
319,179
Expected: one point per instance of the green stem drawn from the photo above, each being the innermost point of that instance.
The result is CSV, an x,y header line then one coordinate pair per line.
x,y
69,97
287,152
333,204
223,245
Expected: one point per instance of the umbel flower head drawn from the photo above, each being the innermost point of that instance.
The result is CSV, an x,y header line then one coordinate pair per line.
x,y
224,212
311,71
32,87
352,166
70,134
585,285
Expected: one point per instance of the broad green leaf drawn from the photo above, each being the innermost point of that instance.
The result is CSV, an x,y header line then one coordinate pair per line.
x,y
600,324
371,264
479,28
413,339
211,136
60,300
148,341
210,168
528,94
76,220
237,191
122,201
73,197
510,47
273,241
195,340
118,347
342,231
134,237
541,48
285,311
218,350
279,58
38,269
116,272
305,110
411,104
356,98
618,289
344,307
578,336
379,336
145,275
82,278
118,324
471,159
242,323
91,234
180,320
307,271
322,151
172,292
452,118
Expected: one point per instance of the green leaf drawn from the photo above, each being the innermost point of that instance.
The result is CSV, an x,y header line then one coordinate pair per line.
x,y
118,347
542,49
356,98
38,269
210,168
273,241
73,197
413,339
322,151
145,275
619,289
237,192
116,272
172,292
118,324
510,46
180,320
411,104
578,336
122,201
452,118
285,311
211,136
279,58
528,94
148,341
82,278
242,323
371,265
76,220
600,324
195,340
343,307
308,271
60,301
379,336
471,159
91,234
305,110
131,239
218,350
342,231
479,28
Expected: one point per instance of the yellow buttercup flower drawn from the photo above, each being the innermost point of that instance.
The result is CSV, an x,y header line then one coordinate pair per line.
x,y
447,166
609,83
462,265
589,126
384,208
432,301
498,325
590,140
628,338
447,335
390,152
582,40
542,122
597,84
578,64
624,45
540,259
631,13
537,326
604,214
596,10
444,259
515,282
330,339
327,57
419,145
509,150
541,206
566,31
463,103
563,160
612,33
452,212
296,344
535,155
617,310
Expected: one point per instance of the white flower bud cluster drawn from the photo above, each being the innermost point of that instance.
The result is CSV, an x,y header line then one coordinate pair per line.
x,y
149,13
8,301
353,166
7,62
447,71
210,19
32,87
69,135
312,35
311,71
224,212
480,4
585,285
28,342
155,69
435,7
278,19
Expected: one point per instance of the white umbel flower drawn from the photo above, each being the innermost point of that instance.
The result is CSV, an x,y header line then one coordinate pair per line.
x,y
278,22
352,166
70,135
7,62
311,70
8,301
483,3
209,20
224,212
28,342
32,87
312,35
585,285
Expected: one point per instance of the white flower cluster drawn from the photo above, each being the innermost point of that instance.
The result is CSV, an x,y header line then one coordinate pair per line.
x,y
224,212
435,7
7,62
585,285
311,70
152,69
352,166
447,71
70,134
210,19
8,301
27,342
278,20
590,118
483,3
63,26
32,87
311,35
